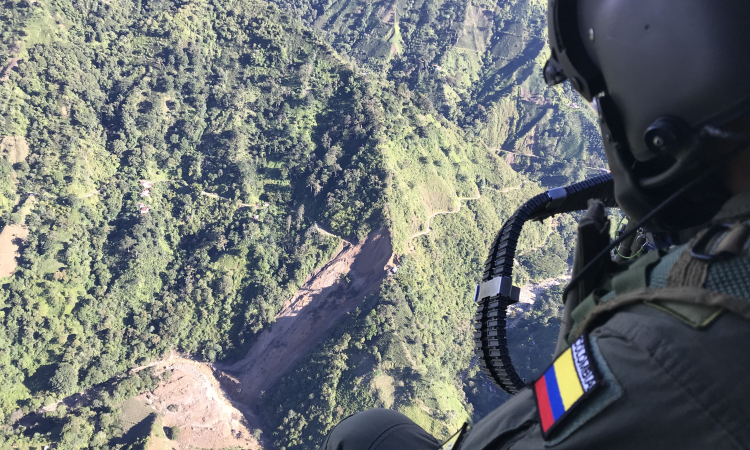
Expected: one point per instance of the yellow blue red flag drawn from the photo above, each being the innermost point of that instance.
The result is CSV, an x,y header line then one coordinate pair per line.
x,y
565,384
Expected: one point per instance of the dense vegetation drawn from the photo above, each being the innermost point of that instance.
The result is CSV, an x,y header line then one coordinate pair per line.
x,y
350,114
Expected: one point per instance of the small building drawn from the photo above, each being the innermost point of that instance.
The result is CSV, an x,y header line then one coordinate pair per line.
x,y
256,217
146,183
146,193
144,210
266,204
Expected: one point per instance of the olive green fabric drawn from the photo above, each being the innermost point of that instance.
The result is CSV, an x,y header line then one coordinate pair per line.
x,y
682,388
684,295
636,276
593,237
657,277
379,429
695,315
609,392
689,270
584,308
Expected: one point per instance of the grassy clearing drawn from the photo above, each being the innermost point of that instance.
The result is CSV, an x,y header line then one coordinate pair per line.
x,y
384,387
133,413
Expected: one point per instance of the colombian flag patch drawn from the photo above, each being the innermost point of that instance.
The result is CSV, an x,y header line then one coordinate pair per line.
x,y
565,384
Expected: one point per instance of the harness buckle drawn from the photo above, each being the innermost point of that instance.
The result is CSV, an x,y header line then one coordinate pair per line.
x,y
700,249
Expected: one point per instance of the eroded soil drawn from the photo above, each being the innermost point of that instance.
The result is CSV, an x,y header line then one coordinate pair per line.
x,y
324,299
193,401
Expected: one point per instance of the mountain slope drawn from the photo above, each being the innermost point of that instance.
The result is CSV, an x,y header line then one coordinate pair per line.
x,y
341,120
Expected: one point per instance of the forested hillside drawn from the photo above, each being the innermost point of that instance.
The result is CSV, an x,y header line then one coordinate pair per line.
x,y
476,66
165,166
476,63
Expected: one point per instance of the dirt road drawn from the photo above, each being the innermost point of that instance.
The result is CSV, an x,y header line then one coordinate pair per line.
x,y
326,233
429,219
508,189
324,299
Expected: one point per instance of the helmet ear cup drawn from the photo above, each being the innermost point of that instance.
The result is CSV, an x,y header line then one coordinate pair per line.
x,y
668,136
671,137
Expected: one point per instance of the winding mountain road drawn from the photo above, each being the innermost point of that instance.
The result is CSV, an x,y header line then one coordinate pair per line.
x,y
478,196
429,219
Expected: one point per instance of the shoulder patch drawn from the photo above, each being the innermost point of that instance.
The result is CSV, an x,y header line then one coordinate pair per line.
x,y
565,385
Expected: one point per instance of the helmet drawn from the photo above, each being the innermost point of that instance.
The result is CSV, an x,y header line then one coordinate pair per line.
x,y
660,74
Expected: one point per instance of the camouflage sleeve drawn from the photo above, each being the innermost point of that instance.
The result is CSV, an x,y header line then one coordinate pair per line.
x,y
663,384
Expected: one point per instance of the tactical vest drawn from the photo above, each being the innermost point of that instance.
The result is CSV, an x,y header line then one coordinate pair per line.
x,y
695,282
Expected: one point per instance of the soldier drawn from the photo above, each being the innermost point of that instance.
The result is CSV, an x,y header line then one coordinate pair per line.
x,y
652,354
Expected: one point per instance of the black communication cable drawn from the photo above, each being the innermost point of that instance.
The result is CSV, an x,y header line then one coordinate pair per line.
x,y
496,292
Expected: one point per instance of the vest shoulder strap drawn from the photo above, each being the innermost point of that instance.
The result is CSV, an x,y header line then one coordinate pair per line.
x,y
719,242
683,295
697,307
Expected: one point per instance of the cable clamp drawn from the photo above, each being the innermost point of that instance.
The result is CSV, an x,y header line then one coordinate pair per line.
x,y
497,286
557,197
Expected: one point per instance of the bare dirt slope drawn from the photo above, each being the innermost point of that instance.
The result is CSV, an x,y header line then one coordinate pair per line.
x,y
477,29
11,240
324,299
212,404
5,73
14,148
387,13
193,400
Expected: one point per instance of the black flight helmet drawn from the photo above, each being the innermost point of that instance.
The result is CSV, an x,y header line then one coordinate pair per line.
x,y
660,74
